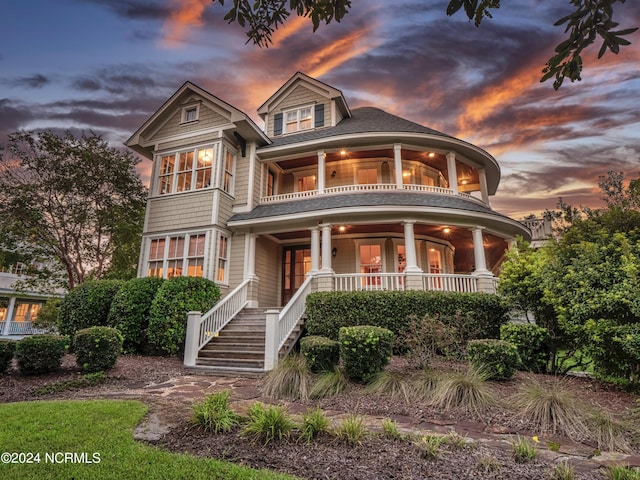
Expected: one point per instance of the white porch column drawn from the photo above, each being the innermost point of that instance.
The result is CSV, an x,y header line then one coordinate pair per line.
x,y
271,340
397,162
192,339
326,248
250,256
512,244
321,172
315,250
484,190
478,251
452,171
9,318
410,248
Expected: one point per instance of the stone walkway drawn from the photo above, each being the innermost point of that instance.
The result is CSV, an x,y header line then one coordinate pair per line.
x,y
167,398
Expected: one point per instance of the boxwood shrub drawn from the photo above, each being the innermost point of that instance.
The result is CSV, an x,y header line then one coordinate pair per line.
x,y
532,342
7,350
97,348
87,305
497,359
168,314
129,312
364,350
328,311
321,353
40,353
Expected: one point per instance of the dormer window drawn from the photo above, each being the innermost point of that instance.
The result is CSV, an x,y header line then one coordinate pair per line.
x,y
190,113
298,119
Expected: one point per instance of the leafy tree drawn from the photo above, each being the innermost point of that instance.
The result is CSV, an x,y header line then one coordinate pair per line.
x,y
589,20
73,200
585,286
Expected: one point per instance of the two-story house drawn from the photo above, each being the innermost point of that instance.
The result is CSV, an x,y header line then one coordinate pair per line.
x,y
324,198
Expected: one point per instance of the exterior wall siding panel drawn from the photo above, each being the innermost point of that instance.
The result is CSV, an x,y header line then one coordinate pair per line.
x,y
178,212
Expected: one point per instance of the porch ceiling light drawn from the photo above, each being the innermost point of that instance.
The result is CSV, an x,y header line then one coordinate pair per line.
x,y
464,182
446,230
342,228
343,152
431,154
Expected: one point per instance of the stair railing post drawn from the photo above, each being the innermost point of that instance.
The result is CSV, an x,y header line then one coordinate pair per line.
x,y
192,340
271,340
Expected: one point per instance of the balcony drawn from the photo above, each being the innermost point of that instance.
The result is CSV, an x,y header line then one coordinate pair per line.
x,y
374,187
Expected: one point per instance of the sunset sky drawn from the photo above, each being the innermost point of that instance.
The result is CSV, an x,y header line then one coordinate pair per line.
x,y
107,65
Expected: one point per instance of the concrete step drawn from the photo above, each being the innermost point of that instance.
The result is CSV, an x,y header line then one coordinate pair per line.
x,y
231,355
230,362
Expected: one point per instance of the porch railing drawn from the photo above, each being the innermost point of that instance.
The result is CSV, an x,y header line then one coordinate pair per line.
x,y
450,282
373,187
215,319
349,282
280,325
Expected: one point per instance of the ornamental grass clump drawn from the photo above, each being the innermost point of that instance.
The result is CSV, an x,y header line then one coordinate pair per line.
x,y
622,472
290,379
429,446
329,383
314,422
352,430
523,450
607,431
551,408
214,415
391,383
424,385
268,423
390,429
562,471
467,391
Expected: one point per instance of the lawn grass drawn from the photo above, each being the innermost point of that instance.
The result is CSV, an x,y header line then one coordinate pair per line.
x,y
100,427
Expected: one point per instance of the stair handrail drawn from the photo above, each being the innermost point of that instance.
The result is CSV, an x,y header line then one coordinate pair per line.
x,y
293,311
215,319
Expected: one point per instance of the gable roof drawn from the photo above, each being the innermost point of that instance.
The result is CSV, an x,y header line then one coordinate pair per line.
x,y
245,126
300,78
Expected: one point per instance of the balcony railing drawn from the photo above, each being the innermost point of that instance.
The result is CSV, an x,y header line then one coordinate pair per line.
x,y
446,282
372,187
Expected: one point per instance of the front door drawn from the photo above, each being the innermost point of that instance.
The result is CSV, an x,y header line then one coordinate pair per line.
x,y
296,263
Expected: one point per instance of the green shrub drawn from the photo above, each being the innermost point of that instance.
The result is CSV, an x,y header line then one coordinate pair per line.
x,y
168,314
614,349
497,358
87,305
40,353
129,312
532,343
314,422
214,414
47,318
7,351
328,311
321,353
97,348
365,350
352,430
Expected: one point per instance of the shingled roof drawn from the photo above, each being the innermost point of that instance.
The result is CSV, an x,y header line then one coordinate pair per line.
x,y
362,120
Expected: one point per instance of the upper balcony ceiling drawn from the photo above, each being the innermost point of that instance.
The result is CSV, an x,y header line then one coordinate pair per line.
x,y
370,126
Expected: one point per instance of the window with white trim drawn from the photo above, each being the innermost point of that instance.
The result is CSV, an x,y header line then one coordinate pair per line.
x,y
185,170
298,119
190,113
227,176
177,255
306,183
223,259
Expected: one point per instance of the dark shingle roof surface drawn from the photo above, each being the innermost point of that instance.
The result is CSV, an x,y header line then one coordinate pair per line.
x,y
363,120
363,200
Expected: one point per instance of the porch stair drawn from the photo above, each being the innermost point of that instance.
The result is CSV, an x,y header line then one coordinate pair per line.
x,y
239,347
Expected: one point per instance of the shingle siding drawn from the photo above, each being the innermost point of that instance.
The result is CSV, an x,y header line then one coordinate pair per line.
x,y
179,212
268,269
299,97
207,118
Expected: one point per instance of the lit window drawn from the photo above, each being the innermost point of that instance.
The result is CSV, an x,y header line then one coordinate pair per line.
x,y
227,183
271,180
223,245
368,176
179,170
296,120
306,184
370,262
195,258
156,258
175,257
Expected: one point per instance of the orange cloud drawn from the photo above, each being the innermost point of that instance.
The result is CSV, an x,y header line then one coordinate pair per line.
x,y
292,26
188,13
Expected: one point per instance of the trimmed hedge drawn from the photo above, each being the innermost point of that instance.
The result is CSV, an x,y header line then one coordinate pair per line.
x,y
532,342
7,351
497,359
97,348
87,305
168,314
40,353
129,312
365,350
328,311
321,353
